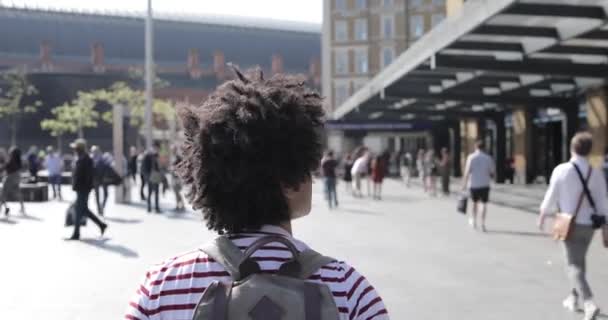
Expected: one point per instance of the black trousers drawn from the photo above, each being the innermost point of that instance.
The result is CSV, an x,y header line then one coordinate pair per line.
x,y
82,210
101,202
153,189
143,186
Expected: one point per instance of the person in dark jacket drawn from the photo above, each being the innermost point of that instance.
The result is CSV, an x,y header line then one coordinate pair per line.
x,y
82,183
132,164
12,180
150,169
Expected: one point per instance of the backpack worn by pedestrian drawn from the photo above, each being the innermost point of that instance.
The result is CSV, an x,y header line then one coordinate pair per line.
x,y
254,295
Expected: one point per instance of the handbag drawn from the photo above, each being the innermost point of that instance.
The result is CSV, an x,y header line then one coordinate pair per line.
x,y
111,177
462,203
562,226
70,216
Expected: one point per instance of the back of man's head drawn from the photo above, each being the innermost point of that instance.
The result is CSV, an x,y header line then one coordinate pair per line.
x,y
480,145
582,143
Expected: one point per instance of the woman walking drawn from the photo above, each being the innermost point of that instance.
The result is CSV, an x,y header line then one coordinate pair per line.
x,y
430,173
379,165
420,168
12,180
445,169
348,176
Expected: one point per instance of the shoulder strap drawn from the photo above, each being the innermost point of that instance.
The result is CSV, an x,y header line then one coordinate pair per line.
x,y
585,182
225,253
311,261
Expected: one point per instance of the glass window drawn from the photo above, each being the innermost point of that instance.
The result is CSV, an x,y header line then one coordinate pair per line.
x,y
361,61
341,93
388,27
416,26
387,3
361,4
361,29
358,85
436,19
341,31
341,66
438,2
415,3
388,55
341,5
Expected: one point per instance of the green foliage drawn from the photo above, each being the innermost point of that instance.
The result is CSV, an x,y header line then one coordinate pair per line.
x,y
17,88
73,117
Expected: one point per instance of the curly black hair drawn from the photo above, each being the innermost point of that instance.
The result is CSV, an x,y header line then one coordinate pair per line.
x,y
251,138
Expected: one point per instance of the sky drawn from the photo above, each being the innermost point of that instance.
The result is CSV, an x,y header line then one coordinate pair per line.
x,y
291,10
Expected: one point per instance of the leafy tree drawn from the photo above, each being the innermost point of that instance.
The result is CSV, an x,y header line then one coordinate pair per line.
x,y
73,117
17,87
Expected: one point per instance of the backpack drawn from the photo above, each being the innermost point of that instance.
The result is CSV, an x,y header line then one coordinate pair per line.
x,y
254,295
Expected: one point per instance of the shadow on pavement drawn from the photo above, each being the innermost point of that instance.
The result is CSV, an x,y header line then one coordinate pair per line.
x,y
8,221
518,233
526,208
28,217
115,248
123,220
358,211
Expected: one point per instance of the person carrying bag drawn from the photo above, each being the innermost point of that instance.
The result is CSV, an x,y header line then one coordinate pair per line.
x,y
577,220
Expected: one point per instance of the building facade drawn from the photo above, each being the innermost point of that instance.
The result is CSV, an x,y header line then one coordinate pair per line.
x,y
359,39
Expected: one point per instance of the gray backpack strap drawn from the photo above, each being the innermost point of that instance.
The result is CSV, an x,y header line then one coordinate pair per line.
x,y
311,261
225,253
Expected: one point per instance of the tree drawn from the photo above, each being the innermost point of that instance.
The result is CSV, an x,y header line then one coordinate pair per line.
x,y
73,117
12,99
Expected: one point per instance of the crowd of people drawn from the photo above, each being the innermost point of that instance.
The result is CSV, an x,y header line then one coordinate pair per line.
x,y
98,175
362,169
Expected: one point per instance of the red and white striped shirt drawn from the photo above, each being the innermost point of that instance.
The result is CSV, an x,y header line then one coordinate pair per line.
x,y
171,290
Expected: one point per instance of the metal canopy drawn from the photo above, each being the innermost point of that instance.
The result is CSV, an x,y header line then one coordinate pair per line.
x,y
491,56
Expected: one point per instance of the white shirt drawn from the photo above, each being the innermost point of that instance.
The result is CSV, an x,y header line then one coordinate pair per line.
x,y
360,166
480,167
565,190
53,164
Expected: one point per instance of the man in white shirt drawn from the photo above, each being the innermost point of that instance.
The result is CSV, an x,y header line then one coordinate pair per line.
x,y
478,175
359,171
564,194
54,165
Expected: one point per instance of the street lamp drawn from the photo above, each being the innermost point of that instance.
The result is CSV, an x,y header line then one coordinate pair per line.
x,y
149,78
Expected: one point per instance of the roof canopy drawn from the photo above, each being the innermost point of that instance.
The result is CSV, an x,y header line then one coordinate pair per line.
x,y
492,55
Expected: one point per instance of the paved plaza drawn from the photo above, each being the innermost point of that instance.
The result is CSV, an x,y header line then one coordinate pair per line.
x,y
417,251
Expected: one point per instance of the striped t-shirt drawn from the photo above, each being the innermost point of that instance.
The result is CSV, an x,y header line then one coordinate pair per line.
x,y
171,290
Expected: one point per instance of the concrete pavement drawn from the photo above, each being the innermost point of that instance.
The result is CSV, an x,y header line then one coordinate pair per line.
x,y
417,251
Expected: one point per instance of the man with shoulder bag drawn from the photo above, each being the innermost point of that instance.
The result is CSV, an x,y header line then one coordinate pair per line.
x,y
577,193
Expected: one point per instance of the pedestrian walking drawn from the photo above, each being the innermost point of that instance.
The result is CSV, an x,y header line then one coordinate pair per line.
x,y
379,167
445,170
255,268
430,169
359,171
54,167
11,184
82,184
420,168
579,192
102,164
478,175
176,183
328,168
348,176
151,170
142,176
33,163
132,164
406,168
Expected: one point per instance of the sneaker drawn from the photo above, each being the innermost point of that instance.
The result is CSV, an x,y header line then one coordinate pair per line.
x,y
472,223
571,303
591,311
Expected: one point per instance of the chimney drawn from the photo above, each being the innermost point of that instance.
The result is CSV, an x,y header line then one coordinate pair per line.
x,y
97,57
45,56
219,64
277,64
194,64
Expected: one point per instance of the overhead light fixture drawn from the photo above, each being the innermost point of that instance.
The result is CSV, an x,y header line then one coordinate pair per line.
x,y
437,118
540,92
376,115
509,85
440,106
478,108
491,91
553,112
435,89
560,87
452,103
408,116
448,83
